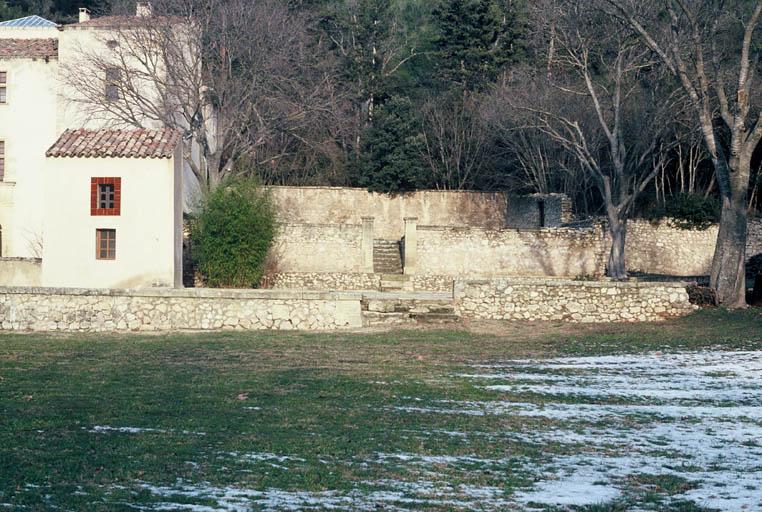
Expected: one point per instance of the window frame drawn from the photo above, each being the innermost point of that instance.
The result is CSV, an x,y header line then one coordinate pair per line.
x,y
111,83
95,184
110,254
3,159
4,86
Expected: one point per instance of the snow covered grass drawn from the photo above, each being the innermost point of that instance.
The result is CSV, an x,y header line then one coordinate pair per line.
x,y
544,417
698,417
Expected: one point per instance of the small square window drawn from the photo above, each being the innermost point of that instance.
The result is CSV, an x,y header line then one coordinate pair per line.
x,y
105,244
105,196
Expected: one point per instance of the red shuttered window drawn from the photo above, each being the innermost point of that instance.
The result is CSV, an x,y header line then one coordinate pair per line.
x,y
105,196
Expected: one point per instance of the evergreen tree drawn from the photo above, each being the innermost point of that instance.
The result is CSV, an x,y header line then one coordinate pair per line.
x,y
391,154
9,12
475,40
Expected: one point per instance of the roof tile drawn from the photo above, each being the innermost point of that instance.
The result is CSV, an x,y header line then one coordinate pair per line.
x,y
139,143
28,48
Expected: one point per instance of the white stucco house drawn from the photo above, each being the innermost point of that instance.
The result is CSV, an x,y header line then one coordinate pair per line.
x,y
82,202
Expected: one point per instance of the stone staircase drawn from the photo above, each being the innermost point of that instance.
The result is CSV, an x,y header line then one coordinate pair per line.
x,y
387,257
386,308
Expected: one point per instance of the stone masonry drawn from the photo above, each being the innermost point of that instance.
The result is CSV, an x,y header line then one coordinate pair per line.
x,y
77,310
570,301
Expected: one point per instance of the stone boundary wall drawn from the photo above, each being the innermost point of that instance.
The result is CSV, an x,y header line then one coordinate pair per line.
x,y
342,281
80,310
754,240
663,248
474,252
337,205
570,301
311,248
20,271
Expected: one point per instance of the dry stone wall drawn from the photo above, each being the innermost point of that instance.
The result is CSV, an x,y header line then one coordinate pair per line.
x,y
663,248
309,248
324,281
47,309
570,301
477,252
754,239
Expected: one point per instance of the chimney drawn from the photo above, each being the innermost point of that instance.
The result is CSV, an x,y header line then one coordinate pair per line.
x,y
84,15
144,10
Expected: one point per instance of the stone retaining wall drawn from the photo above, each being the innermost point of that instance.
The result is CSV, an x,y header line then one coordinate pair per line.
x,y
663,248
310,248
474,252
570,301
49,309
324,281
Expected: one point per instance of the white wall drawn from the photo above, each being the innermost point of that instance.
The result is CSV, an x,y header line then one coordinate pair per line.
x,y
148,233
28,127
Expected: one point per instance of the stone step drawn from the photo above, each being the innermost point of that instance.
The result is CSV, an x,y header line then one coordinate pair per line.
x,y
436,318
387,259
372,318
413,307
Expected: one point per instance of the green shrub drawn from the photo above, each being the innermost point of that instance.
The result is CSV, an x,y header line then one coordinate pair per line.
x,y
233,233
689,211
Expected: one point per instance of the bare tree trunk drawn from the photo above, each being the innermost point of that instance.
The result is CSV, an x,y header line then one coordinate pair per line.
x,y
728,275
616,267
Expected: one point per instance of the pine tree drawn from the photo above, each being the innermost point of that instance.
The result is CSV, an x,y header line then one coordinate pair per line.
x,y
8,12
475,40
391,154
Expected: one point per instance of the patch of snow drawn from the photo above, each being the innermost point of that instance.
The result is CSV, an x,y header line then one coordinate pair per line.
x,y
102,429
705,427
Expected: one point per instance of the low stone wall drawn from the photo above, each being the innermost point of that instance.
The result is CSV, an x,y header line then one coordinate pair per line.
x,y
53,309
432,283
20,271
324,281
474,252
570,301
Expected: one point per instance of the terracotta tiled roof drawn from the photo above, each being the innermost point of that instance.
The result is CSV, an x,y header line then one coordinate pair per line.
x,y
28,48
115,144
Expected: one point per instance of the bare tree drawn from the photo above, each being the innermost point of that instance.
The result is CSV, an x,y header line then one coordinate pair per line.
x,y
605,104
712,48
232,75
455,140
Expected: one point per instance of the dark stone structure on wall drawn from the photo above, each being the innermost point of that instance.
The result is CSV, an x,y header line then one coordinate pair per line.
x,y
538,211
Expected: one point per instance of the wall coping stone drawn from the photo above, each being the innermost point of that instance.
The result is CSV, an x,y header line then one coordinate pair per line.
x,y
510,281
323,225
360,189
564,229
28,260
187,293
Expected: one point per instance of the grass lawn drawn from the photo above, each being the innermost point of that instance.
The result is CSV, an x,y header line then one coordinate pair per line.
x,y
521,416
